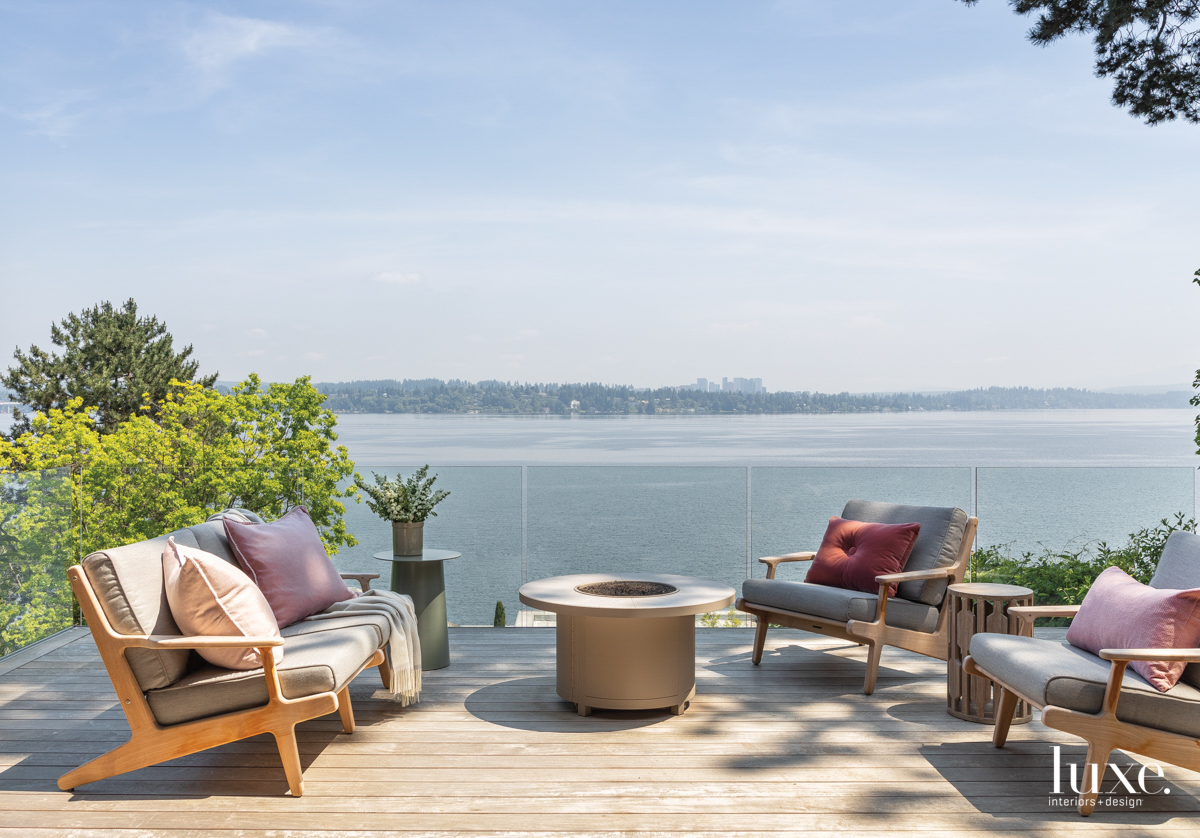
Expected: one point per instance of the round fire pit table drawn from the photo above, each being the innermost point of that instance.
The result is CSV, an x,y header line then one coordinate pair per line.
x,y
627,641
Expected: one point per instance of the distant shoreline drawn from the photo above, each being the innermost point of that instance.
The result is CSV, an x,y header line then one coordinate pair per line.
x,y
508,398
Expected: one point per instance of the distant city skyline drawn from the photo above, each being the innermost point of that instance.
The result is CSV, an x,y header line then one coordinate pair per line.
x,y
878,197
749,386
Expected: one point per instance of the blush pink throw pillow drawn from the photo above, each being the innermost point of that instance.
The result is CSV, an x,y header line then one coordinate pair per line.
x,y
209,596
1120,612
853,553
287,561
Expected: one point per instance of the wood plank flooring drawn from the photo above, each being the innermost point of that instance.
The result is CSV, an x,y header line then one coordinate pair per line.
x,y
791,747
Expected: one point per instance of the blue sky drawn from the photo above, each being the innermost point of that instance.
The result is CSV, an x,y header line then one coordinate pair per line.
x,y
878,195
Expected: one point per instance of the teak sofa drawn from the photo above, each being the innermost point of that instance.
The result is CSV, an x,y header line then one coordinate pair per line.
x,y
1094,696
913,619
178,704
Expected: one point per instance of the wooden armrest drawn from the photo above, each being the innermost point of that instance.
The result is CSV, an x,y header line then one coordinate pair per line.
x,y
363,579
1032,612
914,575
772,562
1191,655
804,556
170,641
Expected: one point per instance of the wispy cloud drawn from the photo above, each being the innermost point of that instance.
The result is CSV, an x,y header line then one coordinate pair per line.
x,y
222,39
58,119
397,278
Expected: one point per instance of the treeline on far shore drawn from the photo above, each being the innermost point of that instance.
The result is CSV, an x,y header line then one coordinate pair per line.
x,y
436,396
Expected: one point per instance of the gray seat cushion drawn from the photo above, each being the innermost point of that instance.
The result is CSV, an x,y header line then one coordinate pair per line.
x,y
1056,673
837,603
937,543
382,625
313,662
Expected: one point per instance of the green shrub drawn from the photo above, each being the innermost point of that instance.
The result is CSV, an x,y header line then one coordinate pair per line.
x,y
1064,577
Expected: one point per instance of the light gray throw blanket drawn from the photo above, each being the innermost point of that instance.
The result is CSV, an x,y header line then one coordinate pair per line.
x,y
404,645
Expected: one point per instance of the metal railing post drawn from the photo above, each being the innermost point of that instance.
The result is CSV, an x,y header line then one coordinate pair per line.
x,y
524,524
749,520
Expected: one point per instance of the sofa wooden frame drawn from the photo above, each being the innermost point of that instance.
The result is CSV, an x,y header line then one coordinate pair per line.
x,y
1102,731
152,743
874,634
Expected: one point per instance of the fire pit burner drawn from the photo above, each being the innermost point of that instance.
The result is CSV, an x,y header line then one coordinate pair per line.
x,y
623,587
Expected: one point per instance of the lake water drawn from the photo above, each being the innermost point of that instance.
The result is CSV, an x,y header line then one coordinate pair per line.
x,y
706,495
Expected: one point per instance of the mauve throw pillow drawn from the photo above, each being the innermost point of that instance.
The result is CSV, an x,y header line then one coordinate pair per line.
x,y
209,596
853,553
287,561
1119,612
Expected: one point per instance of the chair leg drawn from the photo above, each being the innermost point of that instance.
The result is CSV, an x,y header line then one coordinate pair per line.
x,y
127,757
346,709
760,639
385,673
289,752
874,653
1006,707
1095,765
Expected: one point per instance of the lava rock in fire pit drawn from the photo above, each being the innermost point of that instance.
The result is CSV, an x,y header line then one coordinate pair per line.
x,y
624,587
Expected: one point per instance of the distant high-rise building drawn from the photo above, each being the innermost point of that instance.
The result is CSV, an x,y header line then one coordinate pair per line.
x,y
748,386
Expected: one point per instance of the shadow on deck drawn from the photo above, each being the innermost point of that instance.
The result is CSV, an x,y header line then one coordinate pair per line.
x,y
789,747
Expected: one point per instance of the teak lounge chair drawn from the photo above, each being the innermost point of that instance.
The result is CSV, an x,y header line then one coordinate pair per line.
x,y
1094,697
177,704
913,619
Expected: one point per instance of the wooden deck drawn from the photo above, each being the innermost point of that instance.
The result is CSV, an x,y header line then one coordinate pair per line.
x,y
791,747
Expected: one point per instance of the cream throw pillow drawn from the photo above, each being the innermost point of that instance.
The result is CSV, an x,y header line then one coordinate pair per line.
x,y
209,596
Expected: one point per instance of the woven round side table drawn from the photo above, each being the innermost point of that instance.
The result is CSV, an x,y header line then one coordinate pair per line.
x,y
974,608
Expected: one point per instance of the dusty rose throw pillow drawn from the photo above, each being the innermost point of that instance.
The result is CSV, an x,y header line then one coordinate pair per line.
x,y
1119,612
209,596
287,561
853,553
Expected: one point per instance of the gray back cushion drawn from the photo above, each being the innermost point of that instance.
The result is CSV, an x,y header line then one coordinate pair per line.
x,y
237,513
128,581
210,537
937,543
1179,568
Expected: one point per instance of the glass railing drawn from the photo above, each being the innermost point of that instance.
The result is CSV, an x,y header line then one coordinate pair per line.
x,y
517,523
36,547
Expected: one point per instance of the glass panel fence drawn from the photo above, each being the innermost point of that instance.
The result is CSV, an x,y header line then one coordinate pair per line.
x,y
651,519
36,547
1026,509
513,524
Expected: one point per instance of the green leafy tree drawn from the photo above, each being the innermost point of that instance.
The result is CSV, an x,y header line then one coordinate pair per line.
x,y
1149,48
35,543
111,359
196,452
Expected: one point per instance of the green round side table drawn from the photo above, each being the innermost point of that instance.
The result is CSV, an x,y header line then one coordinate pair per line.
x,y
423,578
